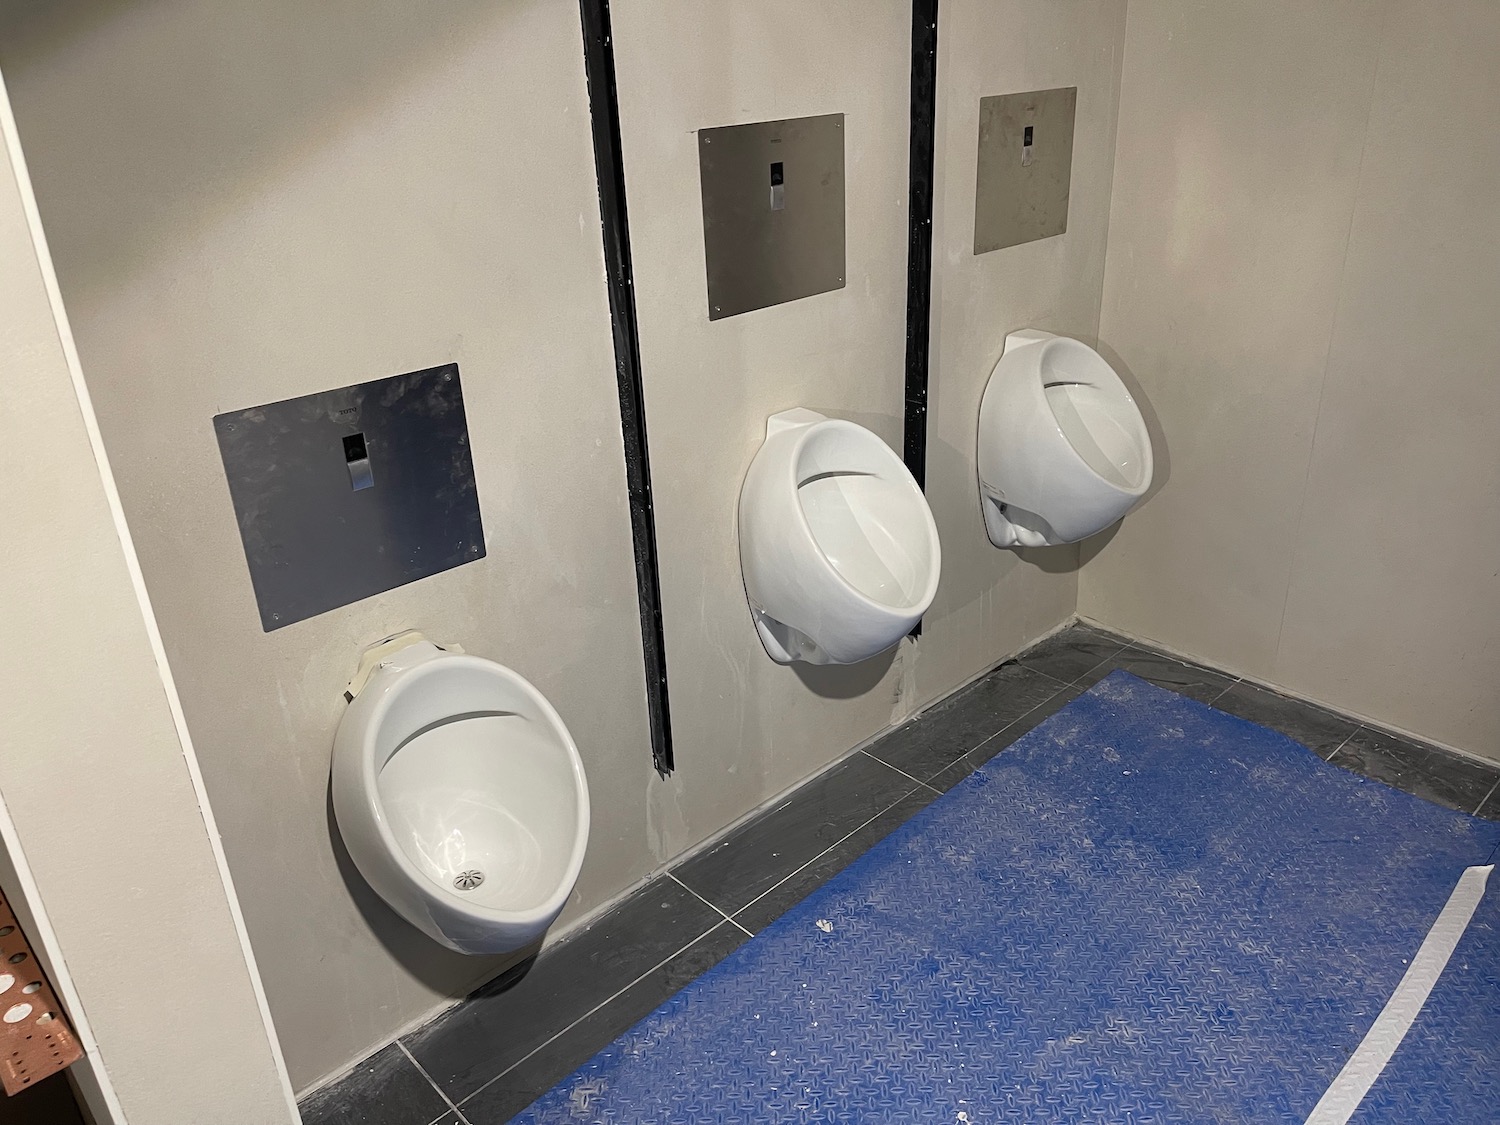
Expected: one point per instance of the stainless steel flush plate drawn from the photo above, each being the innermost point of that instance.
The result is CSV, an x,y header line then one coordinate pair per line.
x,y
1025,165
346,494
773,211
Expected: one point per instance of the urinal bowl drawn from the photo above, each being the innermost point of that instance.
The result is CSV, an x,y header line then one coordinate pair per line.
x,y
1063,451
461,798
838,548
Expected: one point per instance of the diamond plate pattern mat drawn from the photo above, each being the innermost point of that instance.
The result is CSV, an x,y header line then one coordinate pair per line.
x,y
1145,911
1448,1067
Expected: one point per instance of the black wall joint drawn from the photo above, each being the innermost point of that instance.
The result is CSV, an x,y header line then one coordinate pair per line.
x,y
924,39
604,111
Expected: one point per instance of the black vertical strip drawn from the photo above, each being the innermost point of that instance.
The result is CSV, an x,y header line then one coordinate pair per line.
x,y
604,111
924,38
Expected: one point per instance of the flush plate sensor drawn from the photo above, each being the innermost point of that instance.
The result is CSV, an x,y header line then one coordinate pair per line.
x,y
348,493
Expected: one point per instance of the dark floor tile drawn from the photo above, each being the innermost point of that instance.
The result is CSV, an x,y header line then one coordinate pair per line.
x,y
1425,771
808,878
948,778
534,1076
1490,810
385,1089
924,745
1023,726
759,854
1320,731
1005,738
1067,655
1191,680
1010,692
491,1030
941,735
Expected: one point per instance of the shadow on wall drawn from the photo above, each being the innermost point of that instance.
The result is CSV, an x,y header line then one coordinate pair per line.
x,y
233,125
443,971
963,586
1161,453
846,681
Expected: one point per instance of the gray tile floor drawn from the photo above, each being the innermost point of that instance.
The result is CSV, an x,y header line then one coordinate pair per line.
x,y
490,1057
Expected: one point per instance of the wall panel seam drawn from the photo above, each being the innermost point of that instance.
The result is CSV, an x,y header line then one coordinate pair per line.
x,y
1296,546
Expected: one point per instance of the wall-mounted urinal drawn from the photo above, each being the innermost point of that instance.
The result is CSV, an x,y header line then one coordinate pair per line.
x,y
1063,450
837,545
459,794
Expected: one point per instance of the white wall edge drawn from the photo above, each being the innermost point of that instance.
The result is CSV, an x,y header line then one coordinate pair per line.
x,y
138,584
26,903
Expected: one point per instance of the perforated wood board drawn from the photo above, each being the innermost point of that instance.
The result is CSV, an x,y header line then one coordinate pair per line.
x,y
35,1039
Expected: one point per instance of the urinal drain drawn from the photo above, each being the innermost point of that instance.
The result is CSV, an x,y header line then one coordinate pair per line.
x,y
468,880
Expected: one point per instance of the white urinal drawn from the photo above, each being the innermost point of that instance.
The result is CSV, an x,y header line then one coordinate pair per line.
x,y
837,545
459,794
1063,451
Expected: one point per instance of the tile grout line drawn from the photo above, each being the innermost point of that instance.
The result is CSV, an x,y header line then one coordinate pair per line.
x,y
1075,682
1486,797
1050,676
1374,726
441,1093
774,804
852,832
1344,743
1063,685
712,906
607,1000
1228,687
1007,726
922,784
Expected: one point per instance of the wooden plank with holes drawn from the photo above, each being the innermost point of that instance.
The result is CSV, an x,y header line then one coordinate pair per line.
x,y
35,1039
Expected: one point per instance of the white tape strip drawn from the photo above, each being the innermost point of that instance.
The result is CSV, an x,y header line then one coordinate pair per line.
x,y
1340,1101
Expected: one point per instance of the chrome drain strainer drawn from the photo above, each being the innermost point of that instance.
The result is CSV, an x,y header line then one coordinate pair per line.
x,y
468,880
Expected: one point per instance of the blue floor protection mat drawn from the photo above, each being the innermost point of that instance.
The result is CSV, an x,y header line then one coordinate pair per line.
x,y
1144,911
1447,1069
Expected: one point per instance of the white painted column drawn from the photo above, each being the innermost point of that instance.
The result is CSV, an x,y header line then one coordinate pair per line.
x,y
111,857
